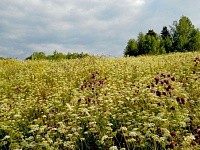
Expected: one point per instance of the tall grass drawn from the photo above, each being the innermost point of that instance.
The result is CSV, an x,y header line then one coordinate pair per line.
x,y
147,102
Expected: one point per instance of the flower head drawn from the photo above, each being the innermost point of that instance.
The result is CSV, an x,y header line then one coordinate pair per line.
x,y
169,75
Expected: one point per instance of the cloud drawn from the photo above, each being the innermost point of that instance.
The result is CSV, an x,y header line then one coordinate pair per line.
x,y
90,25
93,26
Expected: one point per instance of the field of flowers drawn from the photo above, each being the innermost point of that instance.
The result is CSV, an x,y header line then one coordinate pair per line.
x,y
147,102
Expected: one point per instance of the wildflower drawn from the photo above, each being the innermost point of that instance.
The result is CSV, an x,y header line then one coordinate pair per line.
x,y
161,104
97,72
157,80
162,82
169,87
193,143
103,138
96,133
172,108
152,84
82,87
172,145
173,134
170,93
183,101
197,58
173,78
89,99
196,136
153,91
158,93
178,99
113,148
169,75
133,133
159,130
162,74
80,99
164,93
101,81
93,76
166,81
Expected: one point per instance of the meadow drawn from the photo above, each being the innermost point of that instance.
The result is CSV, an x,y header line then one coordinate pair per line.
x,y
144,102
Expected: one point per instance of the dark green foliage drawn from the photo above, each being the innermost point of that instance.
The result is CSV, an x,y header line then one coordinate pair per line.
x,y
37,56
131,48
165,33
56,56
181,32
182,37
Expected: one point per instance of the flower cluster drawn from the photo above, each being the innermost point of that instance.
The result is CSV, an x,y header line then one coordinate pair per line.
x,y
147,102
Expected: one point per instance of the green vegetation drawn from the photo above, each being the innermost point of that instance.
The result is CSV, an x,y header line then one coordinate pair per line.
x,y
144,102
182,37
56,56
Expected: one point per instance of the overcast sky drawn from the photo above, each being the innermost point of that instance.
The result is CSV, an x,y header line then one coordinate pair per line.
x,y
89,26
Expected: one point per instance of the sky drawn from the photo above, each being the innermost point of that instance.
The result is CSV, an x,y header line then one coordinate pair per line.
x,y
95,27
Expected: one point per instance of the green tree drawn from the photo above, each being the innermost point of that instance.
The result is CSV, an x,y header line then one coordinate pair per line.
x,y
37,56
194,40
151,43
141,43
131,48
181,32
165,33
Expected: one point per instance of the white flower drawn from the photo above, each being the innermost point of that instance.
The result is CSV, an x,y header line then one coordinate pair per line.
x,y
133,133
189,138
113,148
123,128
6,137
103,138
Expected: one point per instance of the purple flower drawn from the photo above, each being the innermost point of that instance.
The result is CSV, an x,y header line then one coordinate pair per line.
x,y
98,102
135,101
153,91
96,133
89,99
101,81
162,82
161,104
166,81
97,72
162,74
80,99
53,126
93,76
158,93
169,75
157,80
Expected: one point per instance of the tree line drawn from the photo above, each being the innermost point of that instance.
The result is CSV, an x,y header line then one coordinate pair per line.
x,y
56,56
181,37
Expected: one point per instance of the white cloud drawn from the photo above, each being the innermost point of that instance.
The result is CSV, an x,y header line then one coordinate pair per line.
x,y
95,26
